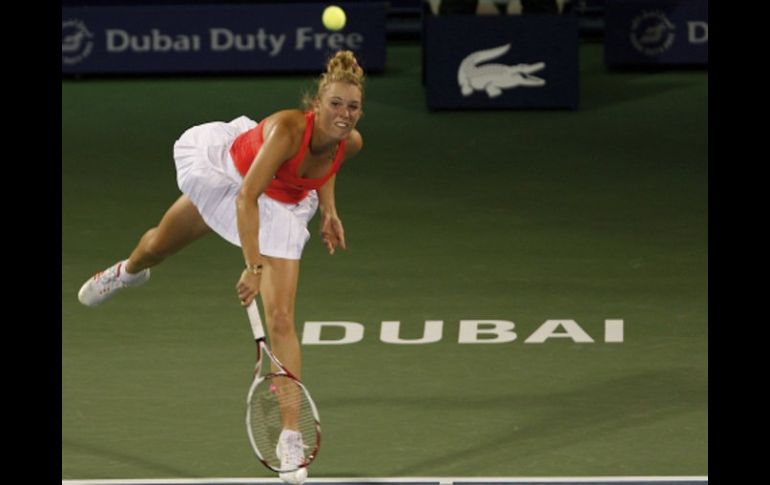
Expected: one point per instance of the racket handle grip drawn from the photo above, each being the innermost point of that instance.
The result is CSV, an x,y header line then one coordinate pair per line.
x,y
256,321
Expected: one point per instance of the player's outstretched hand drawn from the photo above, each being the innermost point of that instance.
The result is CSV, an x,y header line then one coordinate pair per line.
x,y
332,233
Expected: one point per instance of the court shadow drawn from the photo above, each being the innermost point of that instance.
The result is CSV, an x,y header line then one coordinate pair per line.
x,y
627,402
565,418
126,459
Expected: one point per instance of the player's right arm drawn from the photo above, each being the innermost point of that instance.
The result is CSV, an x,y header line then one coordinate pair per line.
x,y
281,141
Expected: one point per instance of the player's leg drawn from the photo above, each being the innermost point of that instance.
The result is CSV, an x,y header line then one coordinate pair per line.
x,y
278,292
180,225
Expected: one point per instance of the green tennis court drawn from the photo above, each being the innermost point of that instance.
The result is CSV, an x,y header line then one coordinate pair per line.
x,y
509,219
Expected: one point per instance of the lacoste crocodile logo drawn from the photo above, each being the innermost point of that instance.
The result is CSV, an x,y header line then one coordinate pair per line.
x,y
493,78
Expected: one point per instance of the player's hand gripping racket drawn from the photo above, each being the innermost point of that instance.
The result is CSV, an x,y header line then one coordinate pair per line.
x,y
278,401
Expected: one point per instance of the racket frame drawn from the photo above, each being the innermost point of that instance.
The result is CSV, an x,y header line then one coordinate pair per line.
x,y
263,349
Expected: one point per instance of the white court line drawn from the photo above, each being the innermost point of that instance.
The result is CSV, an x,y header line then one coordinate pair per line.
x,y
440,480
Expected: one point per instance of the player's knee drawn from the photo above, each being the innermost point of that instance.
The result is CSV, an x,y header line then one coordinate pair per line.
x,y
281,323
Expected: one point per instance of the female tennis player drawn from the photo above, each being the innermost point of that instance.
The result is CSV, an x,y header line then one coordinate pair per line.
x,y
258,185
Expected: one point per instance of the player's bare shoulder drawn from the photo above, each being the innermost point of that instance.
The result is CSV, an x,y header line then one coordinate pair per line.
x,y
354,144
288,123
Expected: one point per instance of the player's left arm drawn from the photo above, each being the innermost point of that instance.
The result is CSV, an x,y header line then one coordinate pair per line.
x,y
332,232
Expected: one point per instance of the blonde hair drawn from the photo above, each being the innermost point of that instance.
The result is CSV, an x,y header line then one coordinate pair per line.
x,y
341,67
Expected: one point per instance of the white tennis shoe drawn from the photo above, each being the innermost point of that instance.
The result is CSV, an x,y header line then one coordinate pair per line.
x,y
291,452
103,285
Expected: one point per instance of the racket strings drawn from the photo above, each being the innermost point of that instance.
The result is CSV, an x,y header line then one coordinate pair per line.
x,y
279,402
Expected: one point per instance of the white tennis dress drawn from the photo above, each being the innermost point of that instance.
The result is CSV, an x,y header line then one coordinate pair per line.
x,y
207,175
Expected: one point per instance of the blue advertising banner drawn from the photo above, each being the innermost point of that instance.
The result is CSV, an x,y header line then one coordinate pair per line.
x,y
216,38
656,32
501,62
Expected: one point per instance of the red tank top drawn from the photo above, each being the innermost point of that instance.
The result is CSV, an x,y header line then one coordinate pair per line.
x,y
286,185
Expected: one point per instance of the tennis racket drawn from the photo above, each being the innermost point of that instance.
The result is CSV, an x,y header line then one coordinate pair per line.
x,y
278,400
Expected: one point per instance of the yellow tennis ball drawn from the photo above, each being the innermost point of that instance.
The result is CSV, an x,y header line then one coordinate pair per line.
x,y
334,18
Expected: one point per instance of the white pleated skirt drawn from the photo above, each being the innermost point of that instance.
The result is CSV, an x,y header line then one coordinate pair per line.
x,y
207,175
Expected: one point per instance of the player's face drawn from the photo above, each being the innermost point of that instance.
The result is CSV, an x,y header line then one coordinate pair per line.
x,y
339,109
